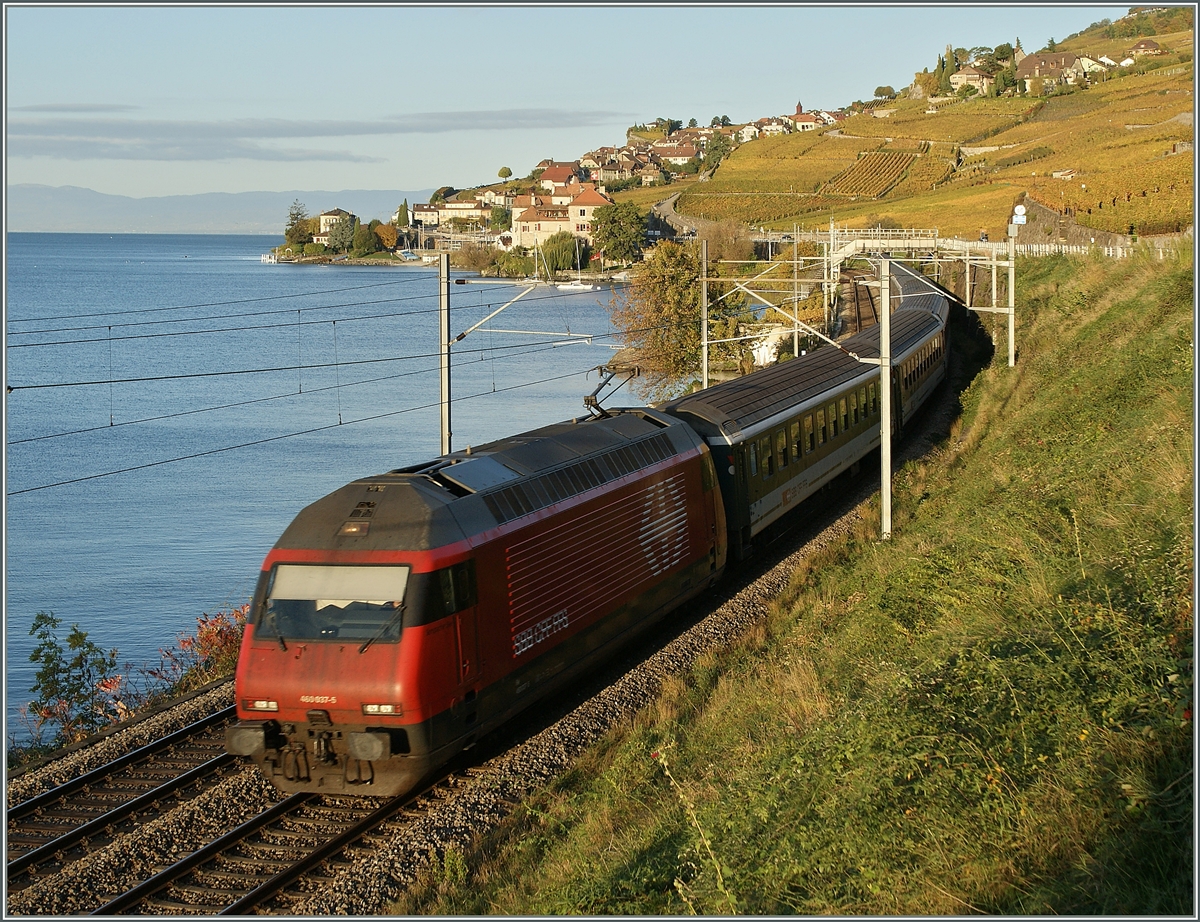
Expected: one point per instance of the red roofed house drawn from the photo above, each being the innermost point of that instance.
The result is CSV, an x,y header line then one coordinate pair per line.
x,y
542,218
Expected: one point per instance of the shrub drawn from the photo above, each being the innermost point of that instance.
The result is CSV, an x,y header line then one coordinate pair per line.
x,y
314,249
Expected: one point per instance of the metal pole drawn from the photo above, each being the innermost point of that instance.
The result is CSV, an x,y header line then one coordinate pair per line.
x,y
1012,298
704,314
995,264
444,329
885,400
967,273
795,290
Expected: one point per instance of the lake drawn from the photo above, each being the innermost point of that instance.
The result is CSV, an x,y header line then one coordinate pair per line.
x,y
176,402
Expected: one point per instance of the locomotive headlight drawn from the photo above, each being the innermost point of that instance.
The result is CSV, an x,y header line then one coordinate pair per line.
x,y
259,704
393,709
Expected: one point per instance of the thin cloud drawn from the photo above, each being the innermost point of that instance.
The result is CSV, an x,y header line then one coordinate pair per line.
x,y
88,107
151,139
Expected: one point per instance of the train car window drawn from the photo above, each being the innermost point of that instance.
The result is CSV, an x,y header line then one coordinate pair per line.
x,y
334,602
781,451
764,453
842,414
810,437
833,421
820,427
853,408
862,400
753,459
871,396
795,434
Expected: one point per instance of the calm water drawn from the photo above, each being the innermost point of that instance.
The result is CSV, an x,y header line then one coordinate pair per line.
x,y
230,394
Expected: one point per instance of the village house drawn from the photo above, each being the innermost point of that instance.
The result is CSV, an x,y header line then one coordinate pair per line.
x,y
771,127
972,76
329,218
674,152
541,217
1145,46
558,175
424,215
1050,67
467,211
747,132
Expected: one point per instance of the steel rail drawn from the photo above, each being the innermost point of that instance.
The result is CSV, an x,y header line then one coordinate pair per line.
x,y
67,788
169,875
269,888
102,822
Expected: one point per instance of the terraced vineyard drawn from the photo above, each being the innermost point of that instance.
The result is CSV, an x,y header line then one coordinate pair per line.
x,y
1120,135
872,174
970,120
1156,199
926,172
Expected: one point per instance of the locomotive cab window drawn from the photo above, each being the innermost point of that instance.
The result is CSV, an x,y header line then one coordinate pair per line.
x,y
333,603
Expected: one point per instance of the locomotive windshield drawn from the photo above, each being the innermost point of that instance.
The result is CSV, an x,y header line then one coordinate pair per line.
x,y
333,603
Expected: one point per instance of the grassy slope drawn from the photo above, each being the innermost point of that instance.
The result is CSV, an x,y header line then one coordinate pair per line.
x,y
991,712
1086,131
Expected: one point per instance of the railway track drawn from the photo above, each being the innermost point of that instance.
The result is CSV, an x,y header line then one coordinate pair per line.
x,y
312,856
274,857
64,824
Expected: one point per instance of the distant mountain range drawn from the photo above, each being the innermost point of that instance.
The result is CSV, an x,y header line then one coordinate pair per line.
x,y
36,208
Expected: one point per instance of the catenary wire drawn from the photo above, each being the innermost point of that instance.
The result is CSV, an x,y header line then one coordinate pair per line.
x,y
287,435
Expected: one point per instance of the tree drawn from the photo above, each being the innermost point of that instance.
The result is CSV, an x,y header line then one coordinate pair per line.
x,y
717,149
341,234
716,120
725,122
884,91
77,687
1051,45
691,123
501,218
296,230
364,239
659,317
1003,52
504,173
402,215
619,231
388,235
558,250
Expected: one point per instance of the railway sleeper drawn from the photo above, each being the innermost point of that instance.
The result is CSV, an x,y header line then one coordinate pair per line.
x,y
252,861
167,907
284,838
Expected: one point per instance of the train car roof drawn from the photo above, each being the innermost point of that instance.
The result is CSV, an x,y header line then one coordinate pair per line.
x,y
734,408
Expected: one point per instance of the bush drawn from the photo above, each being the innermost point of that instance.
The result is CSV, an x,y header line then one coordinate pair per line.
x,y
314,249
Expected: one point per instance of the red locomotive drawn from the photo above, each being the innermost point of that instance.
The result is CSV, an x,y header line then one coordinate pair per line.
x,y
405,615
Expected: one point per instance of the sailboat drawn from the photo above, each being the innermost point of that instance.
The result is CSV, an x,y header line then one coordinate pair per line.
x,y
579,284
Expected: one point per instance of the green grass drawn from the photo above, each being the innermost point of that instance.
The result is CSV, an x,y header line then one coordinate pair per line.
x,y
990,712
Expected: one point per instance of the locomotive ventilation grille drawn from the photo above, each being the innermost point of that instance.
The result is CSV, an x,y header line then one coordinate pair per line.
x,y
533,493
576,569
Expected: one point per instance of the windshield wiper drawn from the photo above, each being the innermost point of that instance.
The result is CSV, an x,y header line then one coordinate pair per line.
x,y
278,633
387,626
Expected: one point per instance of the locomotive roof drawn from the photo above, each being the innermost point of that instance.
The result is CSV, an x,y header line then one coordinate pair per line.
x,y
461,494
734,408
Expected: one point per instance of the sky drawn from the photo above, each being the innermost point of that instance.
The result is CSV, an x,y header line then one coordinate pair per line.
x,y
155,100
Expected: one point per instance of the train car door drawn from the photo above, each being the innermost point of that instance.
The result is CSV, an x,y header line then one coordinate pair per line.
x,y
467,644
